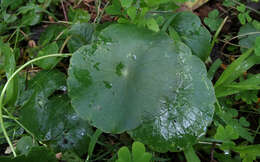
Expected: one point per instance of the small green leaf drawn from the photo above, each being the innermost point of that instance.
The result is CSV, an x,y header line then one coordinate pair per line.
x,y
78,15
50,34
152,25
226,134
138,154
131,12
114,9
138,150
126,3
174,35
48,63
248,17
244,122
24,145
257,46
241,17
81,35
248,152
213,21
241,8
124,155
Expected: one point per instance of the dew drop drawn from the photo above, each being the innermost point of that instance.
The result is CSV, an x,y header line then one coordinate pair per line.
x,y
63,88
134,57
48,136
226,152
74,117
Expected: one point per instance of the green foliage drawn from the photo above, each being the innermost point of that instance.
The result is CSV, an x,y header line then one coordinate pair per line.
x,y
140,12
192,33
257,46
138,154
248,153
48,63
239,125
164,104
59,126
136,78
36,154
191,155
248,37
81,34
243,16
226,84
213,20
25,144
8,65
78,15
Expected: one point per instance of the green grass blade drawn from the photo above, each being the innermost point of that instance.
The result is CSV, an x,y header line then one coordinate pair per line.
x,y
214,67
93,142
235,69
190,155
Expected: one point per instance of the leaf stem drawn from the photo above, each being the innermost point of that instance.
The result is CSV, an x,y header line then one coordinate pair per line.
x,y
5,88
216,35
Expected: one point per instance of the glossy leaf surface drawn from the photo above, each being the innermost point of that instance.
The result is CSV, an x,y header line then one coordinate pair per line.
x,y
132,76
51,118
192,33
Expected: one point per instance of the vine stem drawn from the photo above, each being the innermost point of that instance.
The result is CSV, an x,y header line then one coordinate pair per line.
x,y
5,88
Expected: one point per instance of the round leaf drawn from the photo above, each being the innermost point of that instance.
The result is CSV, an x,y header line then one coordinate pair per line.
x,y
185,115
132,76
192,33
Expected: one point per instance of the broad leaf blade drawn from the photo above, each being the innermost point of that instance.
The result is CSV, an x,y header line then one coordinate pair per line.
x,y
50,117
129,79
192,33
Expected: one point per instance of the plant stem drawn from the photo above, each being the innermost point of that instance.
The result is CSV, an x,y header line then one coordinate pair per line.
x,y
5,88
216,35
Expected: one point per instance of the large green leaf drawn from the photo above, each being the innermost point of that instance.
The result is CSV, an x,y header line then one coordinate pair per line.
x,y
184,114
133,76
192,33
52,119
